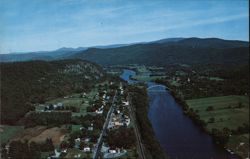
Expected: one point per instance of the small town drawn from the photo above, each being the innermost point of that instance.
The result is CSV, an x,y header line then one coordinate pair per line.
x,y
100,124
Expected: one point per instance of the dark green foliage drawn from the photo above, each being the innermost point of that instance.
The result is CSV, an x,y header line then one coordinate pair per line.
x,y
210,108
235,81
48,118
25,83
220,137
121,138
211,120
140,102
188,51
23,150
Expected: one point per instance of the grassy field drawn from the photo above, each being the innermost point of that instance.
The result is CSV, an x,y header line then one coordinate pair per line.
x,y
226,113
7,132
75,100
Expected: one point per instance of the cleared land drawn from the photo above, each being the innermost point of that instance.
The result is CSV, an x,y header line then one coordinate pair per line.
x,y
228,112
41,133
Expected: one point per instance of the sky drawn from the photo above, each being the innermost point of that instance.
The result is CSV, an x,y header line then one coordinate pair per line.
x,y
39,25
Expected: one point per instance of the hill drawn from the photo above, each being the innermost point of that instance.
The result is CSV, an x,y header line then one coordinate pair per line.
x,y
186,51
39,55
25,83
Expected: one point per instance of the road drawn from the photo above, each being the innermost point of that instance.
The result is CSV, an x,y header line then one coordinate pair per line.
x,y
140,146
96,152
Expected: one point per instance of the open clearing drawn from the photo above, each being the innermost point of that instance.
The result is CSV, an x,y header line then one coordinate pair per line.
x,y
41,133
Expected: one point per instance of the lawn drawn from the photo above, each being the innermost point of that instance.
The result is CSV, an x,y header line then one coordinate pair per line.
x,y
72,153
227,113
8,132
75,128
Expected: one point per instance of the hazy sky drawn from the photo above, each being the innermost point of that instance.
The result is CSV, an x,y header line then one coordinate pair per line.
x,y
32,25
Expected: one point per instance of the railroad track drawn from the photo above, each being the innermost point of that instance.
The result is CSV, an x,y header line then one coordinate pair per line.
x,y
137,132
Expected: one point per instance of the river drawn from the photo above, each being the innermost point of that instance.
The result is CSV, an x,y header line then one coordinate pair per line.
x,y
179,137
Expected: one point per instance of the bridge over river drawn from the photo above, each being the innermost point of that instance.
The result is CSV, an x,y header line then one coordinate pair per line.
x,y
157,88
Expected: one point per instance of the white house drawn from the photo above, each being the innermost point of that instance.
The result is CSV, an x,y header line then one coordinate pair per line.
x,y
91,128
112,151
126,103
86,149
99,111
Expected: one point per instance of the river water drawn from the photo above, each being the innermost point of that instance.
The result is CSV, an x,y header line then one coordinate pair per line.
x,y
179,137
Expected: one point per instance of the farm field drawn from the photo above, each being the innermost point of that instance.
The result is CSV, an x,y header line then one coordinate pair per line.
x,y
7,132
228,112
39,134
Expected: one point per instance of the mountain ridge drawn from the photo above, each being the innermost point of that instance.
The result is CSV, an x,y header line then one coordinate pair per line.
x,y
65,53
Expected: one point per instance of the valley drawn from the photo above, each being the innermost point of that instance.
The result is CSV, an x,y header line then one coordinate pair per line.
x,y
74,108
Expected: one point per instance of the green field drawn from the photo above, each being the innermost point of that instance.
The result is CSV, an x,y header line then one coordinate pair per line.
x,y
226,113
75,100
7,132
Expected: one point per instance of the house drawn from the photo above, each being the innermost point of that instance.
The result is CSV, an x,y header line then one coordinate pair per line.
x,y
127,121
112,151
118,123
77,142
82,128
126,103
77,156
99,111
86,140
86,149
91,128
64,151
59,104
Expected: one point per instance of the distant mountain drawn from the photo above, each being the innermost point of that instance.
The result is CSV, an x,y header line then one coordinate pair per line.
x,y
167,40
187,51
171,50
61,53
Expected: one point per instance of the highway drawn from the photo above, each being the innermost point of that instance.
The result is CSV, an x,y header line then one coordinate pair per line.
x,y
96,152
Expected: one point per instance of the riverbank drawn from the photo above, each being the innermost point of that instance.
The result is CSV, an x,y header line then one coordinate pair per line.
x,y
222,137
139,100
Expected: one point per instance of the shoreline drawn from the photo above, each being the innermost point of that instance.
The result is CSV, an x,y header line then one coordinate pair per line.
x,y
198,122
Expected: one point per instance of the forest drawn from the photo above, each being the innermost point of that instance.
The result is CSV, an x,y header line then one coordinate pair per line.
x,y
26,83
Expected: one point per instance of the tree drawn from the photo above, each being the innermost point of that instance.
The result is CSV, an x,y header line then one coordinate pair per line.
x,y
210,108
211,120
34,150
